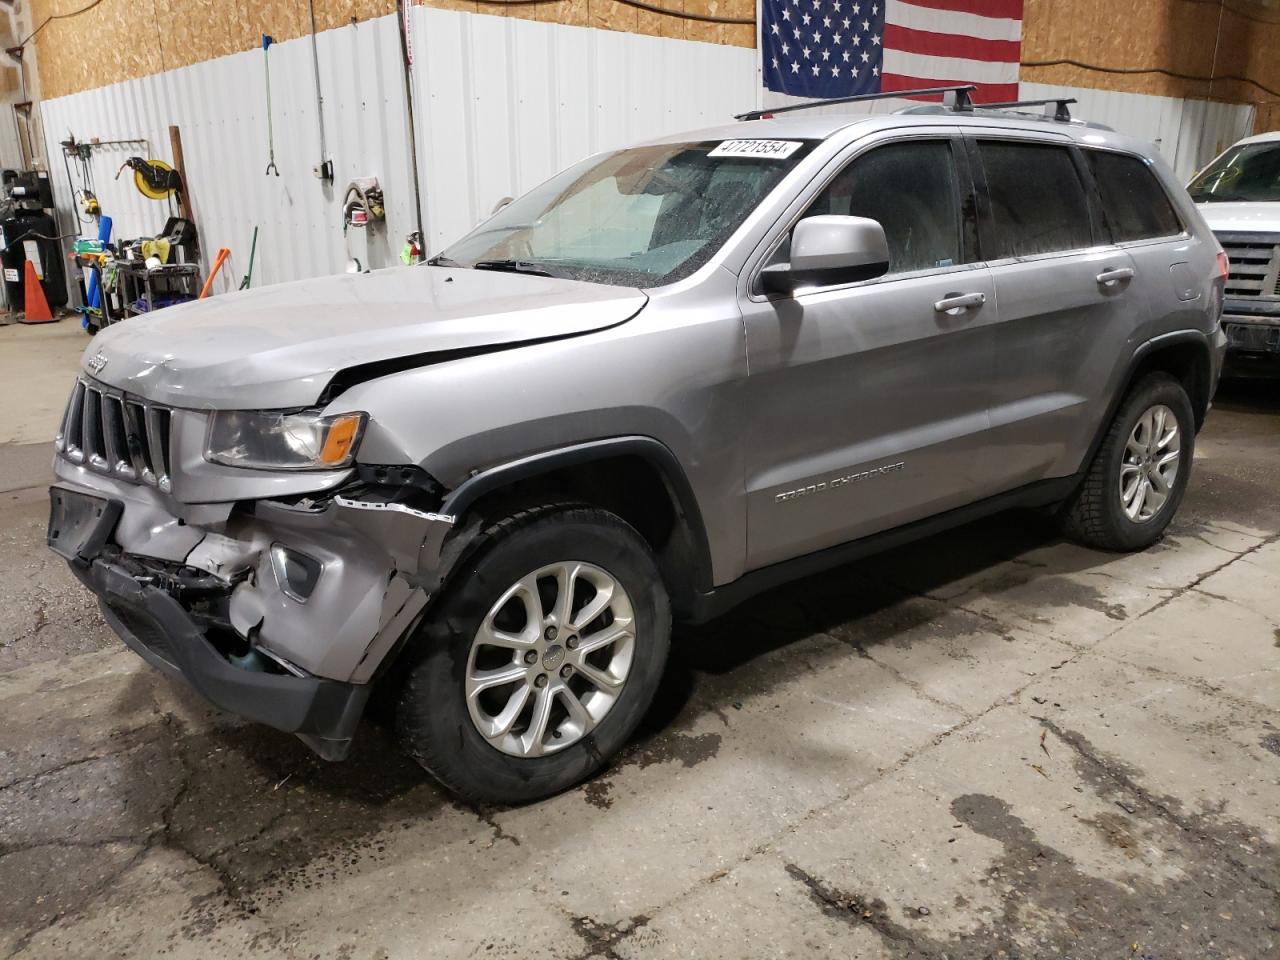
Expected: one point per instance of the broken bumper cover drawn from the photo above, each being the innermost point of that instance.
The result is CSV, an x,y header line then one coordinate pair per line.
x,y
323,712
301,664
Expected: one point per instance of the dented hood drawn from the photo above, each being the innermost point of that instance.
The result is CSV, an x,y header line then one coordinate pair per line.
x,y
280,346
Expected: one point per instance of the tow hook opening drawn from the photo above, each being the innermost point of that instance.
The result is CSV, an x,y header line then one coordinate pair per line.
x,y
296,573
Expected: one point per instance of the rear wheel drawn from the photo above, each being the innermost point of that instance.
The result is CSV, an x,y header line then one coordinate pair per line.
x,y
1140,472
540,658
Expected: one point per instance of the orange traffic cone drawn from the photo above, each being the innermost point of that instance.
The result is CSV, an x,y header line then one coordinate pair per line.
x,y
37,307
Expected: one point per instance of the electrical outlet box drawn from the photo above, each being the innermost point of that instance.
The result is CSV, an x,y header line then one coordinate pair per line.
x,y
323,171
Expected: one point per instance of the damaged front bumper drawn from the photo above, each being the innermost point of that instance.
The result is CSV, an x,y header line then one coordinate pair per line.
x,y
202,592
324,713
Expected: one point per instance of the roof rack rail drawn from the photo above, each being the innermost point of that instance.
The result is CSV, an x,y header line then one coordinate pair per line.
x,y
1059,105
956,97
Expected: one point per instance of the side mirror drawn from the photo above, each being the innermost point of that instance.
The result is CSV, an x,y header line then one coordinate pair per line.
x,y
830,250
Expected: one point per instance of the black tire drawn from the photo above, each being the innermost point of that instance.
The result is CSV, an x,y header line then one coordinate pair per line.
x,y
432,718
1096,516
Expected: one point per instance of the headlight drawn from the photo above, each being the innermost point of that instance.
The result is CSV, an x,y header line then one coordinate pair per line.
x,y
271,440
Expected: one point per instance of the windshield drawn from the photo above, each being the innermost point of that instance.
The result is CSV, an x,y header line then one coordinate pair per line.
x,y
641,217
1248,172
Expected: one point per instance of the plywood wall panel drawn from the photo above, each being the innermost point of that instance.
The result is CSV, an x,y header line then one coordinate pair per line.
x,y
611,15
740,35
102,44
1157,47
571,13
1250,39
467,6
124,39
1177,41
700,30
10,79
660,25
1268,118
519,11
197,30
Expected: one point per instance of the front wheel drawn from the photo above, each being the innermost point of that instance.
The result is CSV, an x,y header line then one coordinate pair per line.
x,y
539,659
1140,472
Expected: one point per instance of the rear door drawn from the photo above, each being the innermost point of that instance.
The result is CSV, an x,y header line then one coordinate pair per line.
x,y
1068,299
867,402
1172,266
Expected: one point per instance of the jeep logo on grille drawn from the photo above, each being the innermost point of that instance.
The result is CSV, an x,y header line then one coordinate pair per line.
x,y
96,363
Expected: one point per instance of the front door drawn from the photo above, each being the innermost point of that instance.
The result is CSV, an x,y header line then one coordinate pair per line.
x,y
868,401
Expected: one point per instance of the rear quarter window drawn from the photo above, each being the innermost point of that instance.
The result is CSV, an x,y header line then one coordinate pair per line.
x,y
1133,201
1038,202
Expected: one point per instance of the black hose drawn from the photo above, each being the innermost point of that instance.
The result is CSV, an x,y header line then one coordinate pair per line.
x,y
39,236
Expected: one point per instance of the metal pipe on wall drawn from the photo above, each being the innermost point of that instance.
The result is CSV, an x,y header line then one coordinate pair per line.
x,y
324,169
406,55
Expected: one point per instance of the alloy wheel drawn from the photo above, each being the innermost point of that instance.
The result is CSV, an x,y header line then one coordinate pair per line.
x,y
1150,463
550,659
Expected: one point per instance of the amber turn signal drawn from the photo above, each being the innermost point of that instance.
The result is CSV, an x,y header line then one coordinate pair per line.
x,y
339,440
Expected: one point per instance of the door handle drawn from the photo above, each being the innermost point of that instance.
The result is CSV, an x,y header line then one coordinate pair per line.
x,y
1115,275
955,304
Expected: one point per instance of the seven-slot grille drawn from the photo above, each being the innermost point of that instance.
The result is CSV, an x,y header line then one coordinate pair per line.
x,y
1255,266
116,434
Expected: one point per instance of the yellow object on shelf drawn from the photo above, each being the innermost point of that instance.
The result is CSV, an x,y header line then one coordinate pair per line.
x,y
158,248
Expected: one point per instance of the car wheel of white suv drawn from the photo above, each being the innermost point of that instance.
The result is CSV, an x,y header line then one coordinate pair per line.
x,y
1140,472
539,659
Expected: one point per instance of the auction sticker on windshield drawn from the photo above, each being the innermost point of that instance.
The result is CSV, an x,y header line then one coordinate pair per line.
x,y
775,149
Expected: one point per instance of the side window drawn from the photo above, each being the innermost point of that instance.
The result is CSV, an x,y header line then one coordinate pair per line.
x,y
1038,203
1134,203
910,188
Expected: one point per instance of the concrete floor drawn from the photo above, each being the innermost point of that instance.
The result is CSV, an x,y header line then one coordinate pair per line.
x,y
992,744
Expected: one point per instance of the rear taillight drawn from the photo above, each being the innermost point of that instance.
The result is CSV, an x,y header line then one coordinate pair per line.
x,y
1224,266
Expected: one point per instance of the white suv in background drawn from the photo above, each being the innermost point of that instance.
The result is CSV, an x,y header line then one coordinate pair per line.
x,y
1239,196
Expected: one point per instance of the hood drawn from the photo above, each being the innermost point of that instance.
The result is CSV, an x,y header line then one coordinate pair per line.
x,y
1255,217
279,346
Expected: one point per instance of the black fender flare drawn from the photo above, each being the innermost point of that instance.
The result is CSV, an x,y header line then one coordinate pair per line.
x,y
1140,354
654,451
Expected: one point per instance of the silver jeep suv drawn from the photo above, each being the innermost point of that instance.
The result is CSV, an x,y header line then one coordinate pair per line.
x,y
667,378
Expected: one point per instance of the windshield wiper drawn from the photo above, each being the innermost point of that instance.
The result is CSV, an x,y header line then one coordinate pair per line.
x,y
512,266
440,260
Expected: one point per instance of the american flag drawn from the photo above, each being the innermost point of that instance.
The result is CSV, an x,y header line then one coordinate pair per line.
x,y
842,48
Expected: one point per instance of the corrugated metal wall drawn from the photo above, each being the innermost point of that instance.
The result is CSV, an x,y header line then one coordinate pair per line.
x,y
503,104
220,109
506,103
